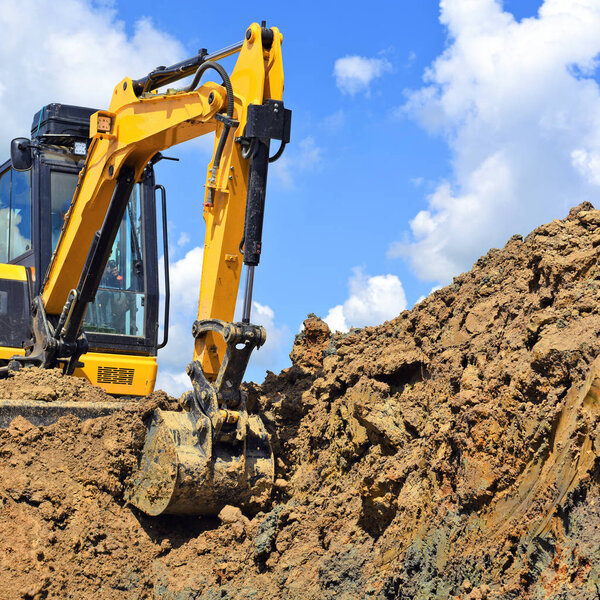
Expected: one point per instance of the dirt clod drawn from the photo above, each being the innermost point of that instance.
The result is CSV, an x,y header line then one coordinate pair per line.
x,y
452,452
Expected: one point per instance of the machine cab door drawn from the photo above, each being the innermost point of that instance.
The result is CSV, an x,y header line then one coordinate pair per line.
x,y
124,315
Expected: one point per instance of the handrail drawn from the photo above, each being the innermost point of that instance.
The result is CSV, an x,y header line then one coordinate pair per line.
x,y
163,194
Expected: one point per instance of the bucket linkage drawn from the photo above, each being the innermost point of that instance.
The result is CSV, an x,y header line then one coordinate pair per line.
x,y
212,453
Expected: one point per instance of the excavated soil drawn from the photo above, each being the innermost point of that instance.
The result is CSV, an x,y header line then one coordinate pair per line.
x,y
449,453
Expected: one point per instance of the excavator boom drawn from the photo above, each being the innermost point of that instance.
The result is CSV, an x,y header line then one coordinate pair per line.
x,y
212,452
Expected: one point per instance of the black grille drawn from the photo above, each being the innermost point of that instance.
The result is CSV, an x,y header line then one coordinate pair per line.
x,y
115,375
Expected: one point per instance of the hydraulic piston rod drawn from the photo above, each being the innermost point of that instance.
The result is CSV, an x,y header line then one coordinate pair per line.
x,y
248,294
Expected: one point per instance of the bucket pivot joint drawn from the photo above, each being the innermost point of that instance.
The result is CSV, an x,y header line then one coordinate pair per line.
x,y
224,393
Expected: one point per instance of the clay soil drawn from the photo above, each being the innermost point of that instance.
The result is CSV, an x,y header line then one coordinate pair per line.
x,y
449,453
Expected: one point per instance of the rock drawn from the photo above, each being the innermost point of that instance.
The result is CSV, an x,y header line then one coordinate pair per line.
x,y
230,514
311,343
266,534
19,426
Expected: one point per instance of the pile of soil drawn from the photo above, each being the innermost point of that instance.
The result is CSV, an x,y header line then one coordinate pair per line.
x,y
449,453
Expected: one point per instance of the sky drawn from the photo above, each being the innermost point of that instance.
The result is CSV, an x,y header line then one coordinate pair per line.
x,y
422,135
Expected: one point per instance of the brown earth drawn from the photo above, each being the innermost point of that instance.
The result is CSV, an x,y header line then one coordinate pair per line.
x,y
449,453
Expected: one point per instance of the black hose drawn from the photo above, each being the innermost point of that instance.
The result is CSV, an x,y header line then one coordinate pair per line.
x,y
277,154
209,64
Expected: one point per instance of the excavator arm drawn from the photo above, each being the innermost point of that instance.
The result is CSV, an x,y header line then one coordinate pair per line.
x,y
124,139
212,452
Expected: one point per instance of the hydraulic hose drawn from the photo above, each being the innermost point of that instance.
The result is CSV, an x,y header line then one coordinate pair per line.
x,y
209,64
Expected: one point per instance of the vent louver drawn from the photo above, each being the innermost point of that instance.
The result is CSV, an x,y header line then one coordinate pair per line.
x,y
114,375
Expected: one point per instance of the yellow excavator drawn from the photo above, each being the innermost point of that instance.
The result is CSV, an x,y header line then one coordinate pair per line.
x,y
79,281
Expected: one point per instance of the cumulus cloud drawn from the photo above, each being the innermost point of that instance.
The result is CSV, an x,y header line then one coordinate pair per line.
x,y
520,110
372,301
354,74
81,54
184,239
306,156
185,277
277,337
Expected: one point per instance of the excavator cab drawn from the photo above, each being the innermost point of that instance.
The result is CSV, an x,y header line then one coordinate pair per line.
x,y
121,324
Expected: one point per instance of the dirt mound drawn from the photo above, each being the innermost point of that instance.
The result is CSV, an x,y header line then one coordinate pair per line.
x,y
50,385
449,453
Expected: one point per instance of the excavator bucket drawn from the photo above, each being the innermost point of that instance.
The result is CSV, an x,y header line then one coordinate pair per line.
x,y
213,453
182,472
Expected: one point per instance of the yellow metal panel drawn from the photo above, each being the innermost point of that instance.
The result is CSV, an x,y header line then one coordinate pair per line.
x,y
14,272
141,129
225,220
274,78
119,374
6,352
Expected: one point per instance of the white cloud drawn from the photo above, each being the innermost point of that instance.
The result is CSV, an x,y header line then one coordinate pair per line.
x,y
184,239
521,114
305,157
587,163
372,300
174,382
335,319
277,336
354,74
185,275
78,55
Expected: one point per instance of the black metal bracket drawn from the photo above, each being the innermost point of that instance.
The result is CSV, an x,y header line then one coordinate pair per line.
x,y
269,120
209,397
163,194
226,120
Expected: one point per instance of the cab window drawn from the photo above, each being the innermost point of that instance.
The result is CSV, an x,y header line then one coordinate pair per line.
x,y
4,214
62,189
120,300
20,213
15,214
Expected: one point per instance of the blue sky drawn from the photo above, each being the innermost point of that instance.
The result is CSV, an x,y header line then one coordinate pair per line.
x,y
423,134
